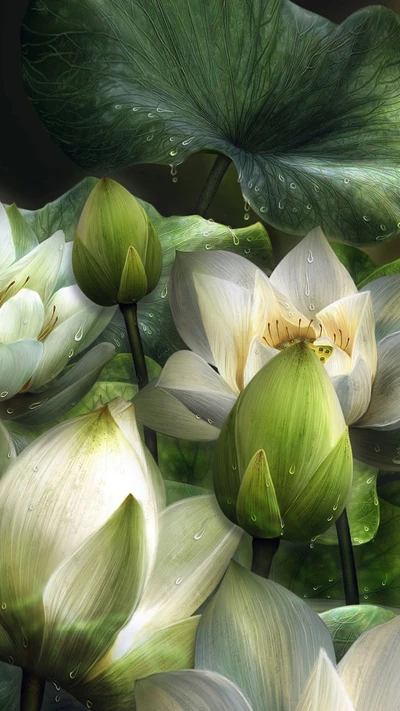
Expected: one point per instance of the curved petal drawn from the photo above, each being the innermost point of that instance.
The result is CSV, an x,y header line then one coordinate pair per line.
x,y
39,268
7,248
384,407
164,413
193,690
369,670
324,689
58,493
349,323
65,275
379,448
193,382
18,361
195,546
385,296
311,275
354,391
262,637
229,268
35,409
21,317
259,355
90,597
7,450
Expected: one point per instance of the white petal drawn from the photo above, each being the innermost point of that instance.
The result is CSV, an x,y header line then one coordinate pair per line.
x,y
311,275
230,268
349,323
91,596
38,269
195,546
65,274
164,413
7,450
324,690
189,690
17,363
384,407
191,380
59,492
21,316
7,248
385,296
259,355
354,391
370,669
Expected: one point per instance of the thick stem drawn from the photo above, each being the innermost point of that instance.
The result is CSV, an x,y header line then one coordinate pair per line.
x,y
210,187
129,312
264,550
349,572
32,691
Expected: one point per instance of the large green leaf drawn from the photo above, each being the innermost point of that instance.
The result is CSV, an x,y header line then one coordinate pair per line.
x,y
313,570
307,110
346,624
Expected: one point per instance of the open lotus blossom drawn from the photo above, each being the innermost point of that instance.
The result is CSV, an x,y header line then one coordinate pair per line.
x,y
45,320
235,319
98,579
292,668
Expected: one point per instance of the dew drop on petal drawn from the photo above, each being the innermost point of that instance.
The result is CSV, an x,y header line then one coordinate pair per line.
x,y
178,581
79,334
164,292
4,393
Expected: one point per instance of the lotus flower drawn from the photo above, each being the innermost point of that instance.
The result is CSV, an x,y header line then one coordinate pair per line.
x,y
235,319
45,320
261,648
98,580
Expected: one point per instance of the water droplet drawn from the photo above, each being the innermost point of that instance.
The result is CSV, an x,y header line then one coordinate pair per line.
x,y
208,246
199,534
61,247
198,417
328,596
74,672
79,334
292,469
25,321
257,189
317,587
330,580
89,704
209,421
311,307
150,115
377,448
310,257
366,589
116,342
308,207
366,528
305,595
346,181
246,216
31,507
4,393
118,106
293,186
149,137
247,250
164,291
175,179
281,178
290,314
253,517
365,597
280,205
263,208
71,353
234,466
57,698
330,518
9,455
398,224
249,185
3,606
187,141
229,501
136,108
307,287
173,152
370,480
311,545
294,209
178,581
34,405
36,468
316,188
366,218
10,410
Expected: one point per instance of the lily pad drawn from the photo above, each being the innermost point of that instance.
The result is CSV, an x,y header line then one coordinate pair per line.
x,y
346,624
313,570
310,118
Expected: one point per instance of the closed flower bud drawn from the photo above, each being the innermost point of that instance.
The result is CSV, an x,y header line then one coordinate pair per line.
x,y
117,254
283,463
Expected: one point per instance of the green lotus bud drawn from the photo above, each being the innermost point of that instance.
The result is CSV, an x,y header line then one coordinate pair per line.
x,y
283,463
116,255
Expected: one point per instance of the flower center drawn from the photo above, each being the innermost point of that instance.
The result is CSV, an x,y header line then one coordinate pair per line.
x,y
298,334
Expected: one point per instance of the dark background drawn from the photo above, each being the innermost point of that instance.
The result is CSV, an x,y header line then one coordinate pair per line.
x,y
33,170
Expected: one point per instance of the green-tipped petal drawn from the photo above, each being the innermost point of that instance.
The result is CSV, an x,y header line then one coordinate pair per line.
x,y
328,489
189,690
23,235
262,637
196,543
324,690
257,507
133,284
91,596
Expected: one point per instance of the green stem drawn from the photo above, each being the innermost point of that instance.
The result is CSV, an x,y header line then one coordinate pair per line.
x,y
264,550
32,691
210,187
129,312
349,572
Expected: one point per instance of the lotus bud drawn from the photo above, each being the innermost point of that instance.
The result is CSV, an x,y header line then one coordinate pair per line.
x,y
283,463
116,255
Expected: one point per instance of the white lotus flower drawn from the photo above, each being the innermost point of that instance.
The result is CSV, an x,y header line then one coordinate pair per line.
x,y
45,319
234,319
98,580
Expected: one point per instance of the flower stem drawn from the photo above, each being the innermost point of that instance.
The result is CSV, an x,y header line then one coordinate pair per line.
x,y
210,187
264,550
129,312
349,572
32,691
